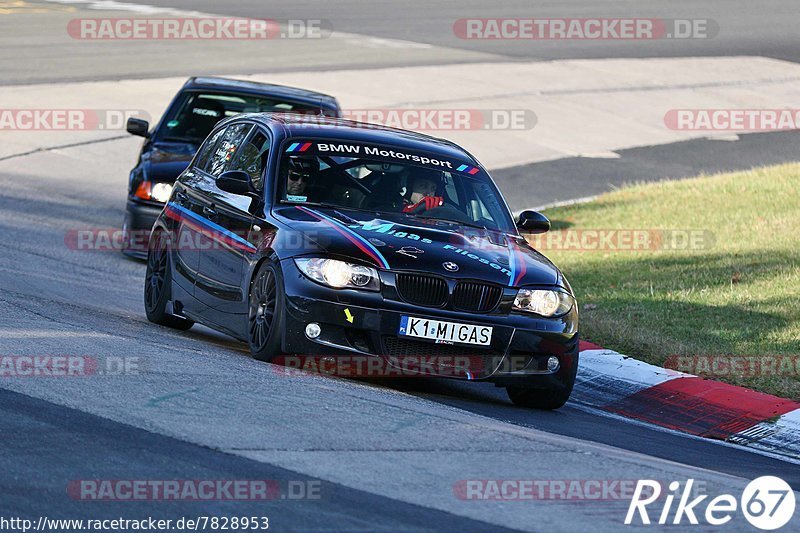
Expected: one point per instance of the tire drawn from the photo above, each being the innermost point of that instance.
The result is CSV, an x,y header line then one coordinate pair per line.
x,y
546,399
265,314
126,236
158,286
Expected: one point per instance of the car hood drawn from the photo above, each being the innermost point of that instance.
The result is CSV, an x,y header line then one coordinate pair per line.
x,y
165,161
401,242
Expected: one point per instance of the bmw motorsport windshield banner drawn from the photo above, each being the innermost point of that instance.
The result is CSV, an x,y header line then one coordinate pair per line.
x,y
390,154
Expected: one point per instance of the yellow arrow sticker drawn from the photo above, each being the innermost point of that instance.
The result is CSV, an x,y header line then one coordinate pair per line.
x,y
348,316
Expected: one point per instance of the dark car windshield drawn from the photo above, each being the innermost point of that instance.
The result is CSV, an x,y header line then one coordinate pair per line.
x,y
380,186
195,114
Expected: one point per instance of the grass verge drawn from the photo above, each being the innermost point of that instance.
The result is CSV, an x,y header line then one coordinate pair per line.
x,y
709,282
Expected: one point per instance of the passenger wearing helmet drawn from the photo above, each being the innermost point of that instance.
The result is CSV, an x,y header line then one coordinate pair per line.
x,y
300,176
421,195
386,182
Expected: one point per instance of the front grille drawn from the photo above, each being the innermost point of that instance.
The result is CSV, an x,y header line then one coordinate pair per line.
x,y
476,297
421,289
444,357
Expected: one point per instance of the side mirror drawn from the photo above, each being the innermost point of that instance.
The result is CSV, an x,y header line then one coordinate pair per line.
x,y
533,222
138,127
235,182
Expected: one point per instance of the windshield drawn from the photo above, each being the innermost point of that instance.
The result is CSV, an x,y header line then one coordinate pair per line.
x,y
195,114
436,190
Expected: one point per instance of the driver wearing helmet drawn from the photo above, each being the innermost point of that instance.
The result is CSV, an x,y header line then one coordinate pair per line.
x,y
299,178
423,186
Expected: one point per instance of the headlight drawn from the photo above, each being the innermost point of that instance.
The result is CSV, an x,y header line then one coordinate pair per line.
x,y
543,302
161,192
339,274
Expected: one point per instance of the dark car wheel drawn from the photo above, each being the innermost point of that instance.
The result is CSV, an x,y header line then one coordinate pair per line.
x,y
126,235
538,398
157,286
265,316
544,398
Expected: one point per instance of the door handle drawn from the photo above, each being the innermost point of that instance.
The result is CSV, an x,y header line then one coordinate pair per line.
x,y
209,211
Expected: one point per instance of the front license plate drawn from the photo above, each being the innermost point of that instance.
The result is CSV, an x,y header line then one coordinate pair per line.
x,y
445,332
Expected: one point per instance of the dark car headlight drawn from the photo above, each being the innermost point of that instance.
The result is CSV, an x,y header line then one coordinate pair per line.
x,y
159,192
547,303
339,274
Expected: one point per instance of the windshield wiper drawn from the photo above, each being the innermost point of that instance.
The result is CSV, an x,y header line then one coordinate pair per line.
x,y
332,206
452,221
379,212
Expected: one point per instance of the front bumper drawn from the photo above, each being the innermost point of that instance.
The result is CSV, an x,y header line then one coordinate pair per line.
x,y
363,323
139,220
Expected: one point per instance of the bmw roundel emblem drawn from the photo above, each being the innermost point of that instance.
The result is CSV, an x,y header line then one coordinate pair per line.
x,y
449,265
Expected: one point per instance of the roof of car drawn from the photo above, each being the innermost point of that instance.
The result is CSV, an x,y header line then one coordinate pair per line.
x,y
254,87
298,125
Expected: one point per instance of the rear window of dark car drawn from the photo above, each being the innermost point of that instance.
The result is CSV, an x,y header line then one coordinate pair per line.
x,y
195,114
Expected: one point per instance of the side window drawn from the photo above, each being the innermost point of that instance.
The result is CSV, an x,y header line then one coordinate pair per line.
x,y
207,149
226,147
450,189
252,158
484,203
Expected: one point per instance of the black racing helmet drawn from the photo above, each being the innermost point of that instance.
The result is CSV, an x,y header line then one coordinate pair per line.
x,y
304,166
423,173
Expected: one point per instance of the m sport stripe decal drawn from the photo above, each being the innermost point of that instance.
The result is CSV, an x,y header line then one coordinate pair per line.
x,y
204,225
516,263
360,242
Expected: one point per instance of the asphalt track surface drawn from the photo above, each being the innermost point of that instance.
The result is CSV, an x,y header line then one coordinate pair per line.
x,y
387,454
766,28
34,49
571,178
57,437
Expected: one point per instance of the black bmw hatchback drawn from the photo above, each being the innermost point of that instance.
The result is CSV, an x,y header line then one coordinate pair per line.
x,y
332,239
190,117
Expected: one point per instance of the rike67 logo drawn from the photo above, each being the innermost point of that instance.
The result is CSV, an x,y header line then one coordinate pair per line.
x,y
767,503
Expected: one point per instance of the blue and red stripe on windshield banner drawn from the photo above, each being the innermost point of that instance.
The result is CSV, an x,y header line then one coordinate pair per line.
x,y
299,147
468,169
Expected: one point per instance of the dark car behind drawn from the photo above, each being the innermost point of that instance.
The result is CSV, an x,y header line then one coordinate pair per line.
x,y
169,147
